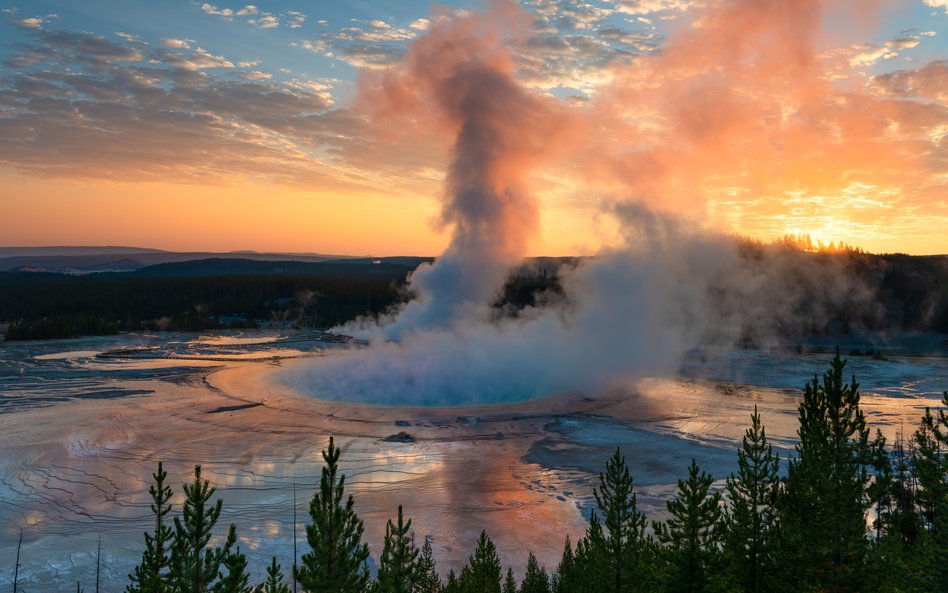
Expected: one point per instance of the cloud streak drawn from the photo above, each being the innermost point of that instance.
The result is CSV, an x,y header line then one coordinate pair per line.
x,y
162,113
748,115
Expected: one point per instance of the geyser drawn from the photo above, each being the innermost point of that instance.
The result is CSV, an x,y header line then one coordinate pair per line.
x,y
630,311
627,313
633,312
462,71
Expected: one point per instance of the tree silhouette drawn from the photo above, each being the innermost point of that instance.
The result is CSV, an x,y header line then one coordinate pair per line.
x,y
428,581
624,523
151,576
236,579
195,566
751,517
566,575
337,558
692,535
591,563
826,501
398,566
931,470
482,573
510,583
535,580
274,582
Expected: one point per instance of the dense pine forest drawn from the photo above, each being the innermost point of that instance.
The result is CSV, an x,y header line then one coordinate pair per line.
x,y
852,513
195,296
829,292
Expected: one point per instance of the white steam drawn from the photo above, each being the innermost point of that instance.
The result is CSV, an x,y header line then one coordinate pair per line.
x,y
626,313
634,311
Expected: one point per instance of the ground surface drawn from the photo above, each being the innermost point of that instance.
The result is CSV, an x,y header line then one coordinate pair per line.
x,y
81,434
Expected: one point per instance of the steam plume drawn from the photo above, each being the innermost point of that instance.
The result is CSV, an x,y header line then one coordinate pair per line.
x,y
669,286
462,70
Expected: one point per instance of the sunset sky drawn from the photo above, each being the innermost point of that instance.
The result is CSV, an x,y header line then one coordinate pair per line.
x,y
313,126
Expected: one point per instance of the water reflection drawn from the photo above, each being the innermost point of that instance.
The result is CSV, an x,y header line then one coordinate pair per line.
x,y
82,435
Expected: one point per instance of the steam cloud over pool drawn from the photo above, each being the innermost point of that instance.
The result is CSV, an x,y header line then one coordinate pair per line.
x,y
582,345
635,310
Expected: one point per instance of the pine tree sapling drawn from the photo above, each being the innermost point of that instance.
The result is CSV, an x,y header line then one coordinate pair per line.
x,y
931,470
566,576
535,580
195,566
274,582
151,576
398,566
624,524
428,581
692,535
751,515
510,583
827,494
482,573
337,558
452,584
236,579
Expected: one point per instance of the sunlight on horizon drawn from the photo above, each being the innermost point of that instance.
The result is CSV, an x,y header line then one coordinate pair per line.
x,y
219,134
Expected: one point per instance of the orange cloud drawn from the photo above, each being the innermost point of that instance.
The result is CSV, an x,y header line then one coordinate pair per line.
x,y
741,111
746,115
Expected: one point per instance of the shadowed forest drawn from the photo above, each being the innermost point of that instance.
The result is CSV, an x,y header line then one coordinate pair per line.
x,y
847,512
829,292
195,296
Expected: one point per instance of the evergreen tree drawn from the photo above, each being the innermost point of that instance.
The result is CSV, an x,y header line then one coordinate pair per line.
x,y
899,557
691,537
337,560
452,584
752,512
593,572
510,583
236,579
398,566
428,581
624,523
826,489
931,470
274,582
535,580
151,576
881,488
482,573
194,566
931,463
904,520
565,579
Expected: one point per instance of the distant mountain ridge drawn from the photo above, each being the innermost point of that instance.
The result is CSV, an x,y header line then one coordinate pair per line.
x,y
81,260
250,267
73,250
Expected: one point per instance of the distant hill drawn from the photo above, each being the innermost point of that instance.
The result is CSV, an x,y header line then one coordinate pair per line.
x,y
72,264
66,250
90,260
249,267
196,296
805,294
402,260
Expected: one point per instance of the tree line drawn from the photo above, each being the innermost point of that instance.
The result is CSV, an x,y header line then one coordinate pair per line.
x,y
851,514
833,292
48,306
